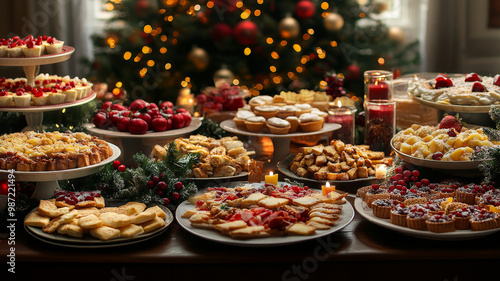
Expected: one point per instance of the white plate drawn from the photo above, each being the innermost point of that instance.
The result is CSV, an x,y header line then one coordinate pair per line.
x,y
345,218
453,107
65,54
52,107
469,166
350,186
231,127
367,213
150,135
65,174
90,242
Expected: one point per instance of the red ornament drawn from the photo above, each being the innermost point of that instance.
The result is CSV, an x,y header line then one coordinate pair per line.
x,y
221,32
305,9
245,32
353,72
4,187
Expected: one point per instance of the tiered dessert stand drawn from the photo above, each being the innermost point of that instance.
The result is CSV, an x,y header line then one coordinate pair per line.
x,y
31,66
47,181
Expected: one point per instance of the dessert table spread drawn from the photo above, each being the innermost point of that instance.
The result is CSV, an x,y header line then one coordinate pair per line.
x,y
360,250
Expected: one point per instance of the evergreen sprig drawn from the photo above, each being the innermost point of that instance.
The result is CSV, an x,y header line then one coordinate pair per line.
x,y
490,163
495,115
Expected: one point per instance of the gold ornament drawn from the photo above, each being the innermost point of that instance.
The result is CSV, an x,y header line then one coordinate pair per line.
x,y
289,28
396,34
199,57
222,76
334,22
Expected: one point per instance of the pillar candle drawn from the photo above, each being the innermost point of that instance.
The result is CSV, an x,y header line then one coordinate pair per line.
x,y
380,125
345,117
327,188
378,91
381,171
271,179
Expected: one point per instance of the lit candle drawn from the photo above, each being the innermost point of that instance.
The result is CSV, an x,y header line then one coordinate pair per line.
x,y
378,91
186,100
381,171
327,188
271,178
345,117
380,125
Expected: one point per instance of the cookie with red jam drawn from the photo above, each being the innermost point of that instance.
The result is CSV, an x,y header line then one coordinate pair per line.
x,y
440,223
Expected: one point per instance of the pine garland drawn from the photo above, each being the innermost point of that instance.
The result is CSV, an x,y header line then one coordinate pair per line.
x,y
143,182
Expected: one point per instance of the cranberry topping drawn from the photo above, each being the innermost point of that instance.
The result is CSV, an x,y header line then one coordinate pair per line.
x,y
440,218
400,209
385,203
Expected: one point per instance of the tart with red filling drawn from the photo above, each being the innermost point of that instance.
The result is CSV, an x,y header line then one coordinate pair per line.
x,y
382,207
444,191
440,223
416,217
374,193
491,197
483,220
467,194
461,217
398,214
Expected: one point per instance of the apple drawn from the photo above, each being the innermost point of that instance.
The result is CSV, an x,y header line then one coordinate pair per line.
x,y
138,105
123,124
138,126
101,121
166,104
117,107
177,121
159,124
187,118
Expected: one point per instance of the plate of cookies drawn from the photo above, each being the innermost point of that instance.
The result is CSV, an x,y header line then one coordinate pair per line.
x,y
346,166
263,215
81,220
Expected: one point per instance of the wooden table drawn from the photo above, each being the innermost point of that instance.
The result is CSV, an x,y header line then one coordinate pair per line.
x,y
360,250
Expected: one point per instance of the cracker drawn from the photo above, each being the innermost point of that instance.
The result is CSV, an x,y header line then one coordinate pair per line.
x,y
145,216
105,233
301,229
115,220
131,230
153,224
230,226
159,212
37,220
90,221
249,232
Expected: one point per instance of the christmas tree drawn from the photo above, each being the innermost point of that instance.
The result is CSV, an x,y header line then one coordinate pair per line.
x,y
152,48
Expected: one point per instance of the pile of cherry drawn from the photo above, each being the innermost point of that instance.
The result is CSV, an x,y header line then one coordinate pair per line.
x,y
141,117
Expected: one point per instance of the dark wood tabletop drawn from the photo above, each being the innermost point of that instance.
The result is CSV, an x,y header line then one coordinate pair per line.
x,y
360,250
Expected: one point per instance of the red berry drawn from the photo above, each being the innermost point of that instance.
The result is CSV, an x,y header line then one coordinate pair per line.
x,y
437,156
122,168
116,164
199,203
398,170
151,183
178,185
406,179
443,82
414,179
159,192
415,173
407,173
176,195
156,179
425,181
398,177
162,185
496,80
375,186
478,87
472,77
452,133
166,201
418,184
402,182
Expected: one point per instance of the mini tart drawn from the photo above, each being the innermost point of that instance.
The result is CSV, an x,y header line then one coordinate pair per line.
x,y
22,100
310,122
440,223
56,98
34,51
461,218
241,117
373,194
6,100
491,197
260,100
266,111
444,191
483,220
416,219
302,108
40,99
279,99
255,124
286,110
54,48
320,113
3,51
382,207
15,52
467,194
398,214
294,123
278,126
69,95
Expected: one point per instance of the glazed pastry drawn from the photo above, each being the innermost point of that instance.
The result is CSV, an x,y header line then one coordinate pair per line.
x,y
278,126
255,124
302,108
294,123
286,110
310,122
266,111
241,117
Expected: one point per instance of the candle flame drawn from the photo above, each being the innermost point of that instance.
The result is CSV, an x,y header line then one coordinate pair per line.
x,y
270,173
327,184
376,82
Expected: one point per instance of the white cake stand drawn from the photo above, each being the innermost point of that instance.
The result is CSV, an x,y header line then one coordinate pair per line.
x,y
131,144
47,181
34,114
31,65
281,143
